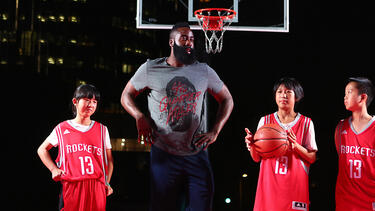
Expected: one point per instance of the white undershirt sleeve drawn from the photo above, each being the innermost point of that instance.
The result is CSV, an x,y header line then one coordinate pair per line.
x,y
52,138
107,140
310,143
261,123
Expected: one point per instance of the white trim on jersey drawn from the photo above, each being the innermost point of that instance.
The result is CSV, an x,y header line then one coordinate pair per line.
x,y
306,126
365,128
104,154
303,132
287,126
306,168
339,131
62,148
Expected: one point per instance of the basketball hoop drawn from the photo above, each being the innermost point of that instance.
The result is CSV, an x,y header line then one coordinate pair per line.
x,y
214,22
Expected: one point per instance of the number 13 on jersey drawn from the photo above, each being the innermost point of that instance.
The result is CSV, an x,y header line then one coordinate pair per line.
x,y
281,166
86,165
355,168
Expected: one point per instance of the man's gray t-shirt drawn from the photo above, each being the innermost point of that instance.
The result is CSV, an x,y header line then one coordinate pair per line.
x,y
175,101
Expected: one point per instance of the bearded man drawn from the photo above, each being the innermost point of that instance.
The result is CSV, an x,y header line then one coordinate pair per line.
x,y
181,174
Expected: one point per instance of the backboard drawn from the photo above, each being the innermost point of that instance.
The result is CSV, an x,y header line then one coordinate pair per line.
x,y
252,15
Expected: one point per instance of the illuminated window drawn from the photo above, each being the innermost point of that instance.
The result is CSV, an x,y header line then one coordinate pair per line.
x,y
74,19
129,145
60,61
81,82
127,68
61,18
51,60
82,1
123,142
52,18
4,17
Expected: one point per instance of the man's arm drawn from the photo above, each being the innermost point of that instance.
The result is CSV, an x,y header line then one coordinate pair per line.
x,y
225,100
143,122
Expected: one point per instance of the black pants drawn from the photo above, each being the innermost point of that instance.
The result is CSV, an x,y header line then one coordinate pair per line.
x,y
180,182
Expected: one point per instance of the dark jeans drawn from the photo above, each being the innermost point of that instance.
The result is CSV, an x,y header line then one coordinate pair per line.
x,y
180,182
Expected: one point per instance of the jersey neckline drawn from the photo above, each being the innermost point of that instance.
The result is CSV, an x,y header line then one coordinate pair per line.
x,y
287,126
364,129
79,127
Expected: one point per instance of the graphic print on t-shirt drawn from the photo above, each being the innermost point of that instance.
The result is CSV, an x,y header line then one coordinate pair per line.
x,y
180,103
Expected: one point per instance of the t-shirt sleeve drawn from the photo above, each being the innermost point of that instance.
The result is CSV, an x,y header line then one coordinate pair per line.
x,y
214,82
139,79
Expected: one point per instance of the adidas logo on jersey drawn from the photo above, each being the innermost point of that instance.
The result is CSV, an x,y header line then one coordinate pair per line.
x,y
66,131
344,132
296,205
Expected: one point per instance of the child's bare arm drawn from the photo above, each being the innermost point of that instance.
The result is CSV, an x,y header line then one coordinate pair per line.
x,y
110,171
47,160
249,142
305,154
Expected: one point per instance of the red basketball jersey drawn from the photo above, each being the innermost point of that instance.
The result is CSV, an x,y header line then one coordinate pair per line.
x,y
82,155
283,181
355,186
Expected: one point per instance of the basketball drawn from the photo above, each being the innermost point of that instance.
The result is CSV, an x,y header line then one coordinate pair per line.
x,y
271,140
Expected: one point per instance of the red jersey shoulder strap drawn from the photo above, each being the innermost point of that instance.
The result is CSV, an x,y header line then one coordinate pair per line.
x,y
338,132
267,119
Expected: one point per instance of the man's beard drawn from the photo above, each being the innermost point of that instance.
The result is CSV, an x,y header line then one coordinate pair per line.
x,y
183,56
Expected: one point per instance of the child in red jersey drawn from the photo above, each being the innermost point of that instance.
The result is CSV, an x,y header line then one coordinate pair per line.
x,y
355,145
84,164
283,181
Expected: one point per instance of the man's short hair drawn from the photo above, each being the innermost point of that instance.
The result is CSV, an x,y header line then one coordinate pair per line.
x,y
364,86
177,26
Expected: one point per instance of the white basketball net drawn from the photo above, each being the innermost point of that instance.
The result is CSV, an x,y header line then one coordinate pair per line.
x,y
214,28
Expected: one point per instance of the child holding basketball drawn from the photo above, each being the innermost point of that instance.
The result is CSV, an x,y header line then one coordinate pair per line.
x,y
355,145
283,181
84,164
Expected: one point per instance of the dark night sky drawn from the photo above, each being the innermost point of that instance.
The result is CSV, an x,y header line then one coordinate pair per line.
x,y
326,45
